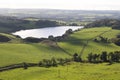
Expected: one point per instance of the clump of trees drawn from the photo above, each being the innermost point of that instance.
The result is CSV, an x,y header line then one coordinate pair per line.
x,y
63,37
102,39
104,57
33,40
116,40
4,38
48,23
77,58
73,24
53,62
99,58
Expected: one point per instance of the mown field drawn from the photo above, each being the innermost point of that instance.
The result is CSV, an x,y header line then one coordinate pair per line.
x,y
74,71
17,51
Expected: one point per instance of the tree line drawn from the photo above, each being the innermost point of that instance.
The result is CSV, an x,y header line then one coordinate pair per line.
x,y
99,58
111,57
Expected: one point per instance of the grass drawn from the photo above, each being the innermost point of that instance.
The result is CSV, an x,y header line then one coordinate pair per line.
x,y
74,71
77,40
17,52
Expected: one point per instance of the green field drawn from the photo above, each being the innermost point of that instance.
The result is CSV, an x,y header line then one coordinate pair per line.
x,y
16,51
77,40
74,71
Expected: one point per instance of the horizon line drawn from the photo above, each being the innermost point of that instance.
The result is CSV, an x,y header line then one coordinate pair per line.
x,y
68,9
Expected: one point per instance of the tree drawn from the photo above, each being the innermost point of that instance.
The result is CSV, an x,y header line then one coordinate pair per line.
x,y
90,57
25,66
61,61
54,62
51,37
79,59
95,58
69,31
47,63
40,63
75,57
103,56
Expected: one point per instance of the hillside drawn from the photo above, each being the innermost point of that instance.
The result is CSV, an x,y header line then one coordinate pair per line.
x,y
114,23
13,24
81,42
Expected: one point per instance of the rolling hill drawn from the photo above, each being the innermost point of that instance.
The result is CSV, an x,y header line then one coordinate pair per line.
x,y
81,42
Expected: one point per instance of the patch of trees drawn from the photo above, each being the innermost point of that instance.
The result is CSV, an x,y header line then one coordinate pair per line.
x,y
114,23
53,62
33,40
73,24
77,58
61,38
104,57
48,23
12,24
4,38
99,58
116,40
102,39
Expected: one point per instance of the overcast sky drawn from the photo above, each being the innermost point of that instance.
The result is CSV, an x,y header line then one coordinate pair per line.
x,y
63,4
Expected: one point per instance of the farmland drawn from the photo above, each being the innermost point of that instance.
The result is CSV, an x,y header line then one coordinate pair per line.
x,y
17,51
74,71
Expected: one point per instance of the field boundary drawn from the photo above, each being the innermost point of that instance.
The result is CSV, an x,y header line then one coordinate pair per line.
x,y
63,49
87,42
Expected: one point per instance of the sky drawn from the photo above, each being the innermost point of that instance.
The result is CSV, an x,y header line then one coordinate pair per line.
x,y
63,4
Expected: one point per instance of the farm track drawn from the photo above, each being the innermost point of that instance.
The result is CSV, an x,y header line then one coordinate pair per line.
x,y
87,42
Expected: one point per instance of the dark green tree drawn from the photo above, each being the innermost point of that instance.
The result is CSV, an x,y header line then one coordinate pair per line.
x,y
75,57
25,65
103,56
54,62
90,57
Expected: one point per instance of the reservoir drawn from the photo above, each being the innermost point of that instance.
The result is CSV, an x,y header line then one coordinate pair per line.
x,y
45,32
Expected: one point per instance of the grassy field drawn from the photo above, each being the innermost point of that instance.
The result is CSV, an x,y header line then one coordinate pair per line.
x,y
74,71
16,51
77,40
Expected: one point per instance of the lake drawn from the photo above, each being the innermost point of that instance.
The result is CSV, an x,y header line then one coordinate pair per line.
x,y
45,32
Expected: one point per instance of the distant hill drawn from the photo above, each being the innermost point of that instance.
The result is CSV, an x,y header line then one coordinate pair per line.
x,y
10,24
114,23
12,20
64,15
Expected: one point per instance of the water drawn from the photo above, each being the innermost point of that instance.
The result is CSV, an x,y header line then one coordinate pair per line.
x,y
45,32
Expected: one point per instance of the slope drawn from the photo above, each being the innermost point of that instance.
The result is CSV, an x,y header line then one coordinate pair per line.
x,y
76,42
